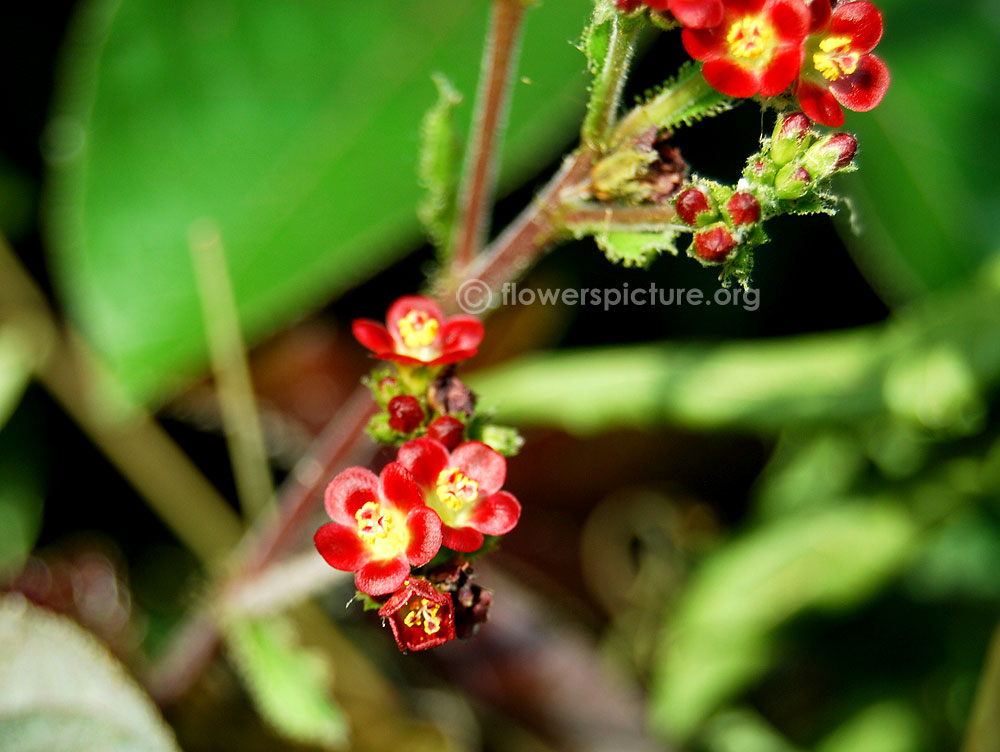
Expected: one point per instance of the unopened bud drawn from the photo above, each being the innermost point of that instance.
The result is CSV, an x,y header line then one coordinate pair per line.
x,y
714,244
831,154
448,430
692,204
792,181
790,136
743,208
405,413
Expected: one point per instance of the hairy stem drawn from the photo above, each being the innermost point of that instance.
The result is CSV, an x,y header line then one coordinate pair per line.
x,y
606,93
479,180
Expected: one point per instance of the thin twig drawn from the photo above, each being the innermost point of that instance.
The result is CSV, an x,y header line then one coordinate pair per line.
x,y
479,181
237,403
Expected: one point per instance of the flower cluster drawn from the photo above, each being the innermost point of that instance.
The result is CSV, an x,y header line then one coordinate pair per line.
x,y
822,54
788,175
407,533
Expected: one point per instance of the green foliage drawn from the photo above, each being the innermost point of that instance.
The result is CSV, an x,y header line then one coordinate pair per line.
x,y
721,635
61,690
16,363
636,248
292,125
288,683
439,163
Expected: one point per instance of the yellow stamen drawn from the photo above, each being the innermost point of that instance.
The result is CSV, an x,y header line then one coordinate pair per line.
x,y
456,489
424,614
418,329
750,37
835,58
373,523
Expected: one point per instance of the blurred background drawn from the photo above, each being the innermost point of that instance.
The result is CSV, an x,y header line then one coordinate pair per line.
x,y
743,531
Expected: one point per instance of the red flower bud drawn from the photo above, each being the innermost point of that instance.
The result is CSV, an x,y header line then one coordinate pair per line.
x,y
744,209
405,413
691,205
448,430
831,154
790,135
714,244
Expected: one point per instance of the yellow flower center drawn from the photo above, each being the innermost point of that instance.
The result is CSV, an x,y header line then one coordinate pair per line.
x,y
418,329
835,58
456,489
374,523
424,614
750,38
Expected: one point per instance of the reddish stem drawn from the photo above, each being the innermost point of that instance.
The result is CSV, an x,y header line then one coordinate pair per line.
x,y
479,182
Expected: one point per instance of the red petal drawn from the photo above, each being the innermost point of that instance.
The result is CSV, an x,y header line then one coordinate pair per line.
x,y
425,458
463,539
705,44
382,577
791,21
400,488
373,335
819,104
398,599
407,359
862,90
784,69
697,14
819,12
340,547
425,535
452,357
407,303
743,7
731,79
497,514
462,333
483,464
348,492
859,20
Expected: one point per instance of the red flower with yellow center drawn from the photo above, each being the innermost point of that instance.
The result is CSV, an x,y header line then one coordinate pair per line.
x,y
380,527
463,487
756,48
417,332
839,68
420,615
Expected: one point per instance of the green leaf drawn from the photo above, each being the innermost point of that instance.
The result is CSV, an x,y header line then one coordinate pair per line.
x,y
287,682
61,690
293,126
439,162
636,248
21,491
721,634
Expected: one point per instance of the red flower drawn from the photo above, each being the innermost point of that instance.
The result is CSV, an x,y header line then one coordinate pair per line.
x,y
757,48
417,332
463,487
839,69
421,616
694,14
380,527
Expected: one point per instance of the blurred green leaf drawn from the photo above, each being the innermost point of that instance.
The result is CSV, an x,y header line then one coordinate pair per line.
x,y
948,345
889,726
743,730
926,201
721,634
287,682
61,690
21,489
293,125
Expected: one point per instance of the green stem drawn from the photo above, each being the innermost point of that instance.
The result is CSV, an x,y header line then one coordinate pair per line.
x,y
983,734
237,404
606,92
690,97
